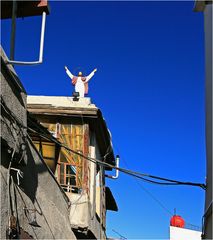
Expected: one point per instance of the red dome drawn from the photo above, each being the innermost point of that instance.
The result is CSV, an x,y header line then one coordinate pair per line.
x,y
177,221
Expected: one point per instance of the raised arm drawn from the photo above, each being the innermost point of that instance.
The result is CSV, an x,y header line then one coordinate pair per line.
x,y
91,75
68,72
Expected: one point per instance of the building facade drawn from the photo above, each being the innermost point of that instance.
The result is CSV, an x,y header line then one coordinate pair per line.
x,y
206,8
177,233
80,127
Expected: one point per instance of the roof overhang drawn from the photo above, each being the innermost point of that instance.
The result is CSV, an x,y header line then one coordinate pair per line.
x,y
110,200
24,8
201,4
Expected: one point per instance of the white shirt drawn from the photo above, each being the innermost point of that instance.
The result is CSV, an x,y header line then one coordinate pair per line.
x,y
79,86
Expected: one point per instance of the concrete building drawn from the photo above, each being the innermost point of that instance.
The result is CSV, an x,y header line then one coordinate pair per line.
x,y
206,8
177,233
79,125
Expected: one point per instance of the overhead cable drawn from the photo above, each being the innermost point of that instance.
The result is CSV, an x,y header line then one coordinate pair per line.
x,y
142,176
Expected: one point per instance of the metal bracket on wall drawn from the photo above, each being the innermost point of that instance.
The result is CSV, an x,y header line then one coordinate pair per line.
x,y
117,169
13,62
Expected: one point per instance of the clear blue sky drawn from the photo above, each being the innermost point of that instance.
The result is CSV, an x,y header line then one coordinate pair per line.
x,y
150,88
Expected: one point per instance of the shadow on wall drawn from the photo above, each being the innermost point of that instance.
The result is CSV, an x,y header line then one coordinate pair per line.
x,y
28,214
35,166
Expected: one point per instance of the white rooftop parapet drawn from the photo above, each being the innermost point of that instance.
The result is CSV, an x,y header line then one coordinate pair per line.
x,y
60,101
177,233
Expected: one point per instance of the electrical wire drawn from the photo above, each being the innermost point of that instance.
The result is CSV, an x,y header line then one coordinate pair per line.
x,y
137,175
129,172
11,115
188,225
142,176
151,195
121,237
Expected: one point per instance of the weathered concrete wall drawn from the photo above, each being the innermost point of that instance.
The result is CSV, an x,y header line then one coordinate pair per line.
x,y
13,95
208,72
37,189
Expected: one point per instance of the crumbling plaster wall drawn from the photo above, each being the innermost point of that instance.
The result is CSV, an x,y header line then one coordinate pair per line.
x,y
37,190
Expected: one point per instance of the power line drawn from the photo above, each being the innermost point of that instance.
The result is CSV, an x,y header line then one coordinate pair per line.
x,y
122,237
129,172
151,195
137,175
142,176
188,225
